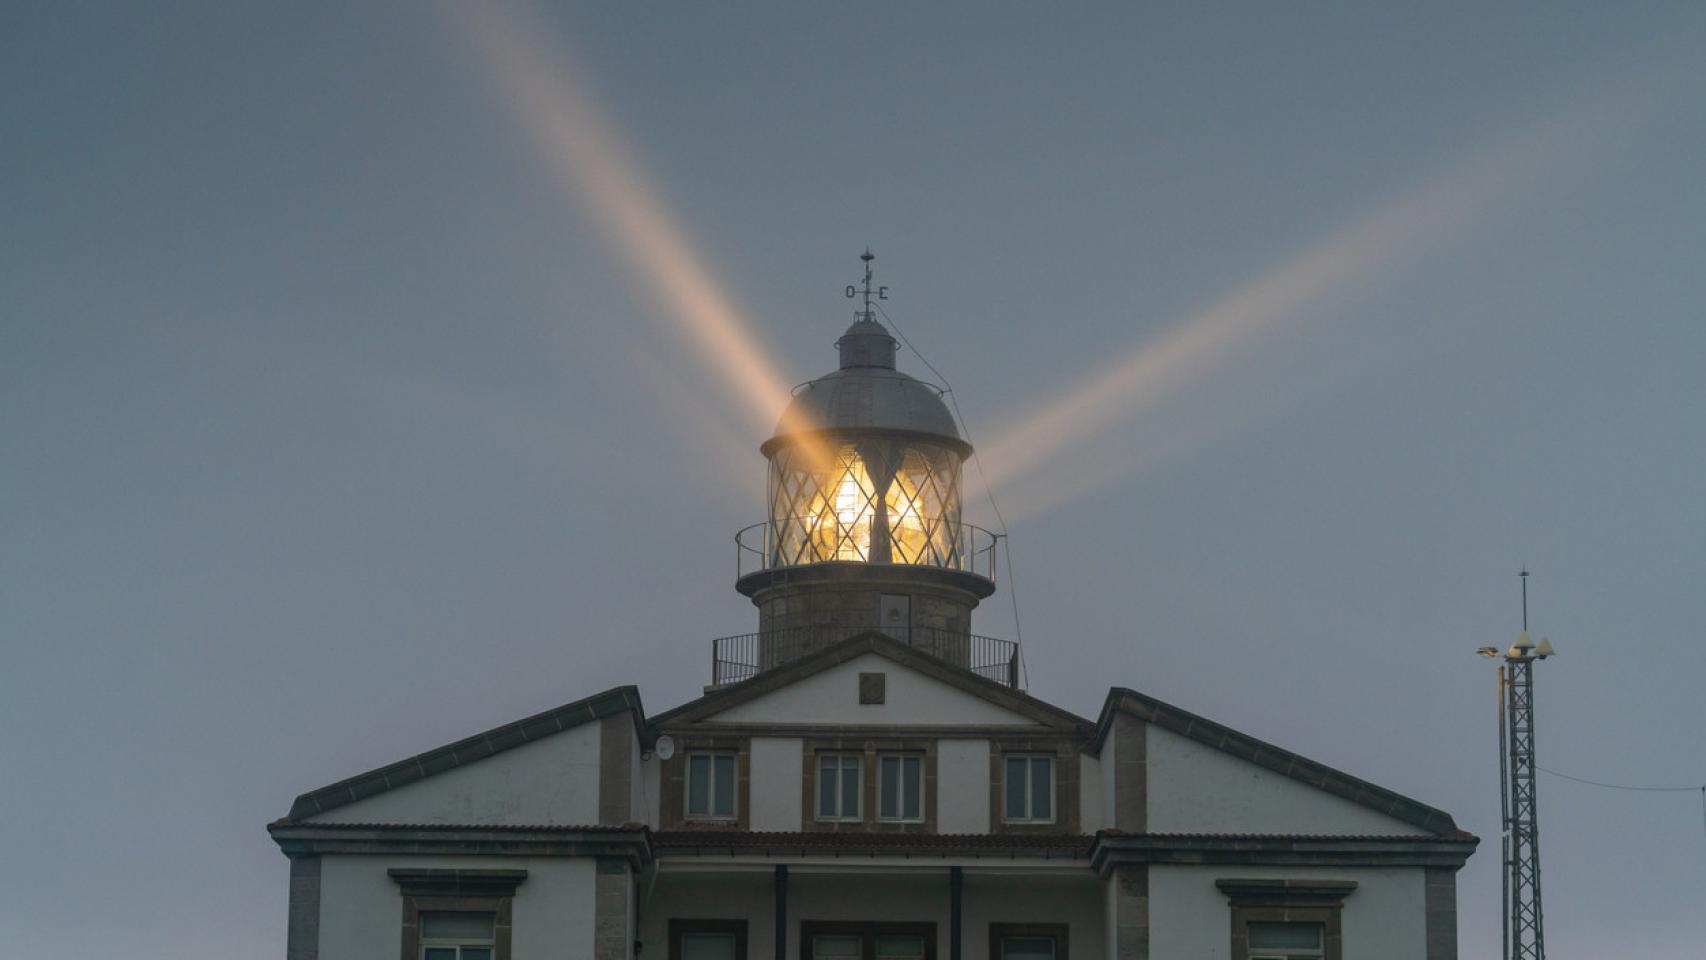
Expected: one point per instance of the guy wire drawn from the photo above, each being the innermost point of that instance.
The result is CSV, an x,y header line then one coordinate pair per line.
x,y
977,462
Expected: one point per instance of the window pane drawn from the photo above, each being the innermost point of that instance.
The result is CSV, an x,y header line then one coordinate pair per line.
x,y
723,786
1016,767
456,926
699,784
476,953
440,953
889,804
1285,936
828,771
707,946
1042,789
1027,948
850,787
837,947
910,791
900,948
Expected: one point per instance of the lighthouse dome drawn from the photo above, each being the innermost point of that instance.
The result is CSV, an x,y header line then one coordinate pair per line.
x,y
868,393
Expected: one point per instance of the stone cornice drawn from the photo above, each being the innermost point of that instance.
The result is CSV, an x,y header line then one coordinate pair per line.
x,y
301,839
1113,849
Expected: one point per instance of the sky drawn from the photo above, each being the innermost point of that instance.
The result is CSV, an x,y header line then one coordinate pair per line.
x,y
373,374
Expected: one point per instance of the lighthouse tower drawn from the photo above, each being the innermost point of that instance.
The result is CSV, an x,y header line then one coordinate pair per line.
x,y
865,530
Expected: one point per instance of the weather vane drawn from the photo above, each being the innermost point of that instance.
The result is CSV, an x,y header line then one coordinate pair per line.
x,y
882,293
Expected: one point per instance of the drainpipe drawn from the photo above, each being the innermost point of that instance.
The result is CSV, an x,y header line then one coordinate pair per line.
x,y
956,880
781,911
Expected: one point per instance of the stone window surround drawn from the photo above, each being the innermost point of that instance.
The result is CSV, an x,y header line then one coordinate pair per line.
x,y
679,926
453,891
869,749
1066,786
867,931
1287,901
1055,931
672,803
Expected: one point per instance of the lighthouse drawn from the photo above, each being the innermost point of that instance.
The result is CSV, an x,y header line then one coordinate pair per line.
x,y
865,529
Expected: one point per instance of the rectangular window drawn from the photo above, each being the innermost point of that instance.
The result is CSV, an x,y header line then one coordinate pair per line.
x,y
711,786
707,946
902,946
1029,789
838,786
1285,941
1027,941
707,940
447,935
842,940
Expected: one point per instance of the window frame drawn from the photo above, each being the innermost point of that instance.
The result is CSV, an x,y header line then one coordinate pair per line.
x,y
711,786
456,890
999,932
858,815
1272,900
1030,768
425,943
1318,952
680,927
900,795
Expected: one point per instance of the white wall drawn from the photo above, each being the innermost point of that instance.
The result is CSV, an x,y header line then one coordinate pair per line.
x,y
962,786
777,771
1197,789
1384,917
833,697
361,909
553,780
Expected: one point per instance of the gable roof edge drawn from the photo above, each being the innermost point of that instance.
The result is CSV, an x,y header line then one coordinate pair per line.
x,y
472,749
1268,756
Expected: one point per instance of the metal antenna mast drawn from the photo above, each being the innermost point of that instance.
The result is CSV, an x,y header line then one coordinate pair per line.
x,y
1523,938
1524,935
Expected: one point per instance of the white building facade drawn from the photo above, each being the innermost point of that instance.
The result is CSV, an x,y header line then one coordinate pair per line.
x,y
864,779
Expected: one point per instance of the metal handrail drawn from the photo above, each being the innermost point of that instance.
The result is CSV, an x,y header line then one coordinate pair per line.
x,y
744,655
756,550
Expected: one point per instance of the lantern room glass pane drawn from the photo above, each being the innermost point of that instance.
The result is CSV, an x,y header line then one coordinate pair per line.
x,y
879,500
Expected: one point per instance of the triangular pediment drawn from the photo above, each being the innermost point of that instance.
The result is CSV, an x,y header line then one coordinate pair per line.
x,y
872,679
1205,777
539,769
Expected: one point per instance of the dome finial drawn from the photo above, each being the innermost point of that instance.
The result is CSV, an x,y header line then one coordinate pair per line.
x,y
866,343
882,293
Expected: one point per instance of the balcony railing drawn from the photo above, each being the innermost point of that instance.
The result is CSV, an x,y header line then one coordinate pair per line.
x,y
961,546
742,656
